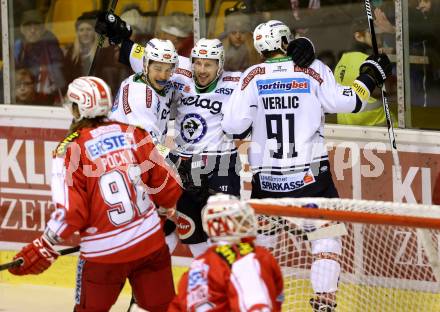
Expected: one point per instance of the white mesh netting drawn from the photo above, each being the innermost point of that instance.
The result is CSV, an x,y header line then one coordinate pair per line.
x,y
383,267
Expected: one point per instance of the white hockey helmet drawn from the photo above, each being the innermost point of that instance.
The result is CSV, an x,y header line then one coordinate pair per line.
x,y
209,49
160,51
92,95
269,36
226,218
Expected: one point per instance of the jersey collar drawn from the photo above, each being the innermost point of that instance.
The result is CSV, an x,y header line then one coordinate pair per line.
x,y
208,88
278,59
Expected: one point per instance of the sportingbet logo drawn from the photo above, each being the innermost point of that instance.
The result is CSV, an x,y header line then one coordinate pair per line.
x,y
285,85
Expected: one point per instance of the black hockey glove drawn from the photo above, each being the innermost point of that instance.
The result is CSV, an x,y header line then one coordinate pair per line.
x,y
193,181
377,67
301,51
112,26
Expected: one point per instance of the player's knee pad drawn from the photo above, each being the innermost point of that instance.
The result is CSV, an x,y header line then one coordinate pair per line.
x,y
198,249
171,241
327,245
324,275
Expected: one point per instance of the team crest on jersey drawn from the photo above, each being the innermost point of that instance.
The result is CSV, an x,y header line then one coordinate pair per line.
x,y
193,128
283,85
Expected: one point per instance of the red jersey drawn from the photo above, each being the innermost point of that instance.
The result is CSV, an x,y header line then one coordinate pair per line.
x,y
105,184
238,277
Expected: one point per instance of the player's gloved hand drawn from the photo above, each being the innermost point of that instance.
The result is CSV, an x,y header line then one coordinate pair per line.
x,y
37,257
302,51
112,26
190,169
377,67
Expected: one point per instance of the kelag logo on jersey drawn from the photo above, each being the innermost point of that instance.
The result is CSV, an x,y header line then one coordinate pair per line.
x,y
193,128
283,85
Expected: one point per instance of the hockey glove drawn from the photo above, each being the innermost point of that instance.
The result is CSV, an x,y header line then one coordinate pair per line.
x,y
301,51
188,171
112,26
377,67
37,257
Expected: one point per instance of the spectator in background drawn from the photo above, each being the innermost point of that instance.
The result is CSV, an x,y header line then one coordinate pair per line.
x,y
424,40
139,24
238,43
25,89
38,50
80,54
347,70
177,27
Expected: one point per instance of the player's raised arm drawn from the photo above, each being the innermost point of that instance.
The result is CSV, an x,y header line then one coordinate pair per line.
x,y
336,98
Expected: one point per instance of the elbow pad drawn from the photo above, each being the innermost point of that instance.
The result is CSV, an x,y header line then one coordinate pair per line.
x,y
362,86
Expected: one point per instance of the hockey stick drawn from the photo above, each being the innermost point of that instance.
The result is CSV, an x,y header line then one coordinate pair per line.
x,y
386,107
101,39
19,261
424,235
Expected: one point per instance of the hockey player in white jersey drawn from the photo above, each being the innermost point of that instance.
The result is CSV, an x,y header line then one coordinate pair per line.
x,y
210,158
282,105
144,98
206,158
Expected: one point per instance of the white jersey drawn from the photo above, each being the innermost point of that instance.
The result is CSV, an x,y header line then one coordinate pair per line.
x,y
284,106
140,105
199,115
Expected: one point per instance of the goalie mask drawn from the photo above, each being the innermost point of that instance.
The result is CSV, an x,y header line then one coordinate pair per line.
x,y
226,218
160,51
269,36
209,49
91,94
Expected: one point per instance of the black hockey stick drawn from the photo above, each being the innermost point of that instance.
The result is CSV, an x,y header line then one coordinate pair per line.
x,y
101,39
386,107
19,261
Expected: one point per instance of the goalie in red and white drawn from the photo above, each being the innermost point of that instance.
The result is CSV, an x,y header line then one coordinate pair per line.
x,y
233,274
107,178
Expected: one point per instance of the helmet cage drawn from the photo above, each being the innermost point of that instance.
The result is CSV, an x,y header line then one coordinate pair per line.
x,y
225,218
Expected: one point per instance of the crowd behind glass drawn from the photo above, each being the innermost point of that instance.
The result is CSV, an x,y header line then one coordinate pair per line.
x,y
55,42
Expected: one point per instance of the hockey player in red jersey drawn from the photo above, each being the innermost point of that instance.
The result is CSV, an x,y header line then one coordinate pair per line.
x,y
233,274
107,178
282,105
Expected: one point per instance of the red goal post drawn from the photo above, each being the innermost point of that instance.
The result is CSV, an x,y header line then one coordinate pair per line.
x,y
390,251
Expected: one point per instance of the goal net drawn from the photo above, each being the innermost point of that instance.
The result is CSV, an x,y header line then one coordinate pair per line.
x,y
389,259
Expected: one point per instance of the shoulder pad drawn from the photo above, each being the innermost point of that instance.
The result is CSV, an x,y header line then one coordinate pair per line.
x,y
62,147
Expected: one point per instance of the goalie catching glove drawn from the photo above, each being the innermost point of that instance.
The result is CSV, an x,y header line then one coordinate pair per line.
x,y
112,26
37,257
